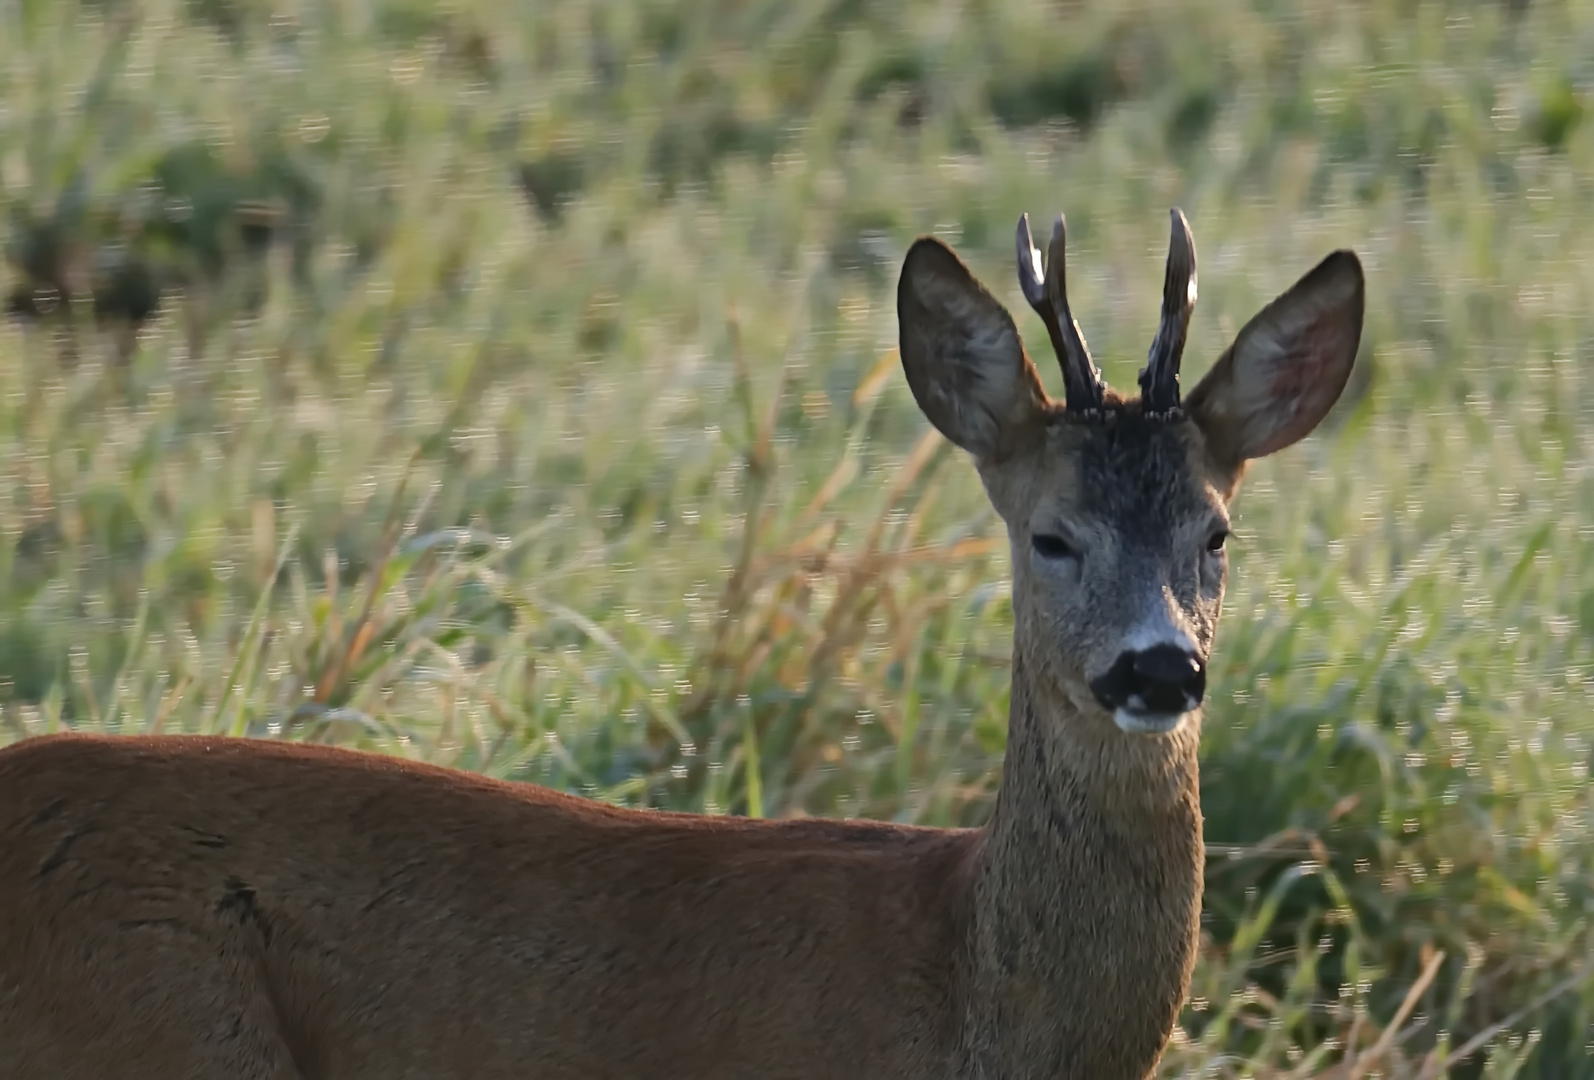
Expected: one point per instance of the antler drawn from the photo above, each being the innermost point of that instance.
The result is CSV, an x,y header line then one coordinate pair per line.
x,y
1082,385
1159,379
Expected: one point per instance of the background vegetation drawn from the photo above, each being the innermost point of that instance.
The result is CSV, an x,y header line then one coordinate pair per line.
x,y
512,385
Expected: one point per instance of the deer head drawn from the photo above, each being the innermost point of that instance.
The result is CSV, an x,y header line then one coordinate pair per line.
x,y
1117,509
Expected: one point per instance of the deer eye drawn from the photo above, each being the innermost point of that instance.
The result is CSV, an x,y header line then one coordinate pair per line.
x,y
1049,546
1216,541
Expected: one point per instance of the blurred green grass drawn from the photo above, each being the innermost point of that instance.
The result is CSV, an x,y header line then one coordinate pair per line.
x,y
513,386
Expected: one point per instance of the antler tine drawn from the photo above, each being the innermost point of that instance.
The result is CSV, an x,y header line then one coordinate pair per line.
x,y
1030,272
1159,379
1048,295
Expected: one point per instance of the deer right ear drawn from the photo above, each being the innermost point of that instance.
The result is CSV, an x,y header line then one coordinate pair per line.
x,y
963,357
1286,368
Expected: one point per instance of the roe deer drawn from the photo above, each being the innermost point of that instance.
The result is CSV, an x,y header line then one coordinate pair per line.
x,y
205,907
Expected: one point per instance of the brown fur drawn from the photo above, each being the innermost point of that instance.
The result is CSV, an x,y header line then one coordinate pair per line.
x,y
197,907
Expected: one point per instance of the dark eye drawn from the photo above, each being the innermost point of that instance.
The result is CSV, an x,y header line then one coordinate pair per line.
x,y
1216,541
1048,546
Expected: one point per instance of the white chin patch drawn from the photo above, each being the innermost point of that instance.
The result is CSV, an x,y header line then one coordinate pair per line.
x,y
1144,723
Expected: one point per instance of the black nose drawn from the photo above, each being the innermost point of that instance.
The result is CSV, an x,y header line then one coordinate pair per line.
x,y
1164,680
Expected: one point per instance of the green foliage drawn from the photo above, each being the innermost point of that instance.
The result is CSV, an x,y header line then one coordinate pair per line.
x,y
512,386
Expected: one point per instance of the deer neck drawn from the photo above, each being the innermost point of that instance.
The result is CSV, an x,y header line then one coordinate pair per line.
x,y
1087,894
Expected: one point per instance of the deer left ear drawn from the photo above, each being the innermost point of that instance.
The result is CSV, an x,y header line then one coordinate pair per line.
x,y
962,355
1286,368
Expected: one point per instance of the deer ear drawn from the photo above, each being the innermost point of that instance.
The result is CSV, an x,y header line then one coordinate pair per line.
x,y
963,357
1286,368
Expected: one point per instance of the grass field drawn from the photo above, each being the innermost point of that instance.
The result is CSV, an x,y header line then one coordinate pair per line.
x,y
513,386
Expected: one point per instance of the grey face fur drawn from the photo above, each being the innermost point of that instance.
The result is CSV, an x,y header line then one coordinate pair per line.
x,y
1117,519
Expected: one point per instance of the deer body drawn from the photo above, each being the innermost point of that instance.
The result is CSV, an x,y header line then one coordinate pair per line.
x,y
367,918
229,908
205,907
